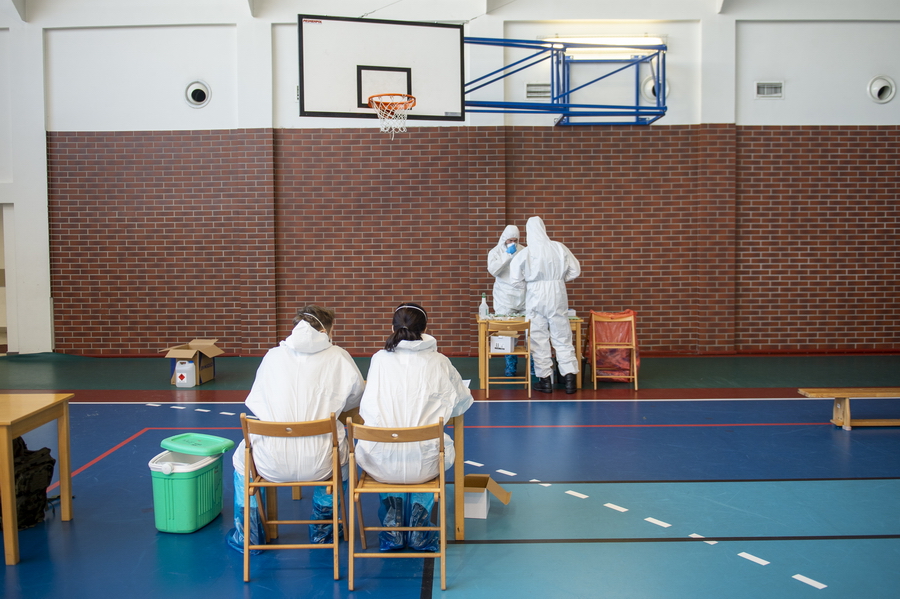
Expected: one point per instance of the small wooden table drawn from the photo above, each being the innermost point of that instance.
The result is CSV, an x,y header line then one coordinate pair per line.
x,y
841,409
574,323
20,413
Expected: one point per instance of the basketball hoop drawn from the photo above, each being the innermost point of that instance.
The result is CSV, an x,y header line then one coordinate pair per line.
x,y
391,110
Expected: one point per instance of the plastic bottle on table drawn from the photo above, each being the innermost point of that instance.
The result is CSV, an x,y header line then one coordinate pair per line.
x,y
483,310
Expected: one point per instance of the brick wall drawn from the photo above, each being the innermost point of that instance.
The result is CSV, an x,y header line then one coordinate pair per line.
x,y
818,252
158,238
722,238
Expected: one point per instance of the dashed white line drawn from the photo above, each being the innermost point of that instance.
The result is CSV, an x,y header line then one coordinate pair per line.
x,y
613,506
471,463
658,522
507,472
696,536
152,405
534,480
228,414
809,581
200,410
753,558
178,407
576,494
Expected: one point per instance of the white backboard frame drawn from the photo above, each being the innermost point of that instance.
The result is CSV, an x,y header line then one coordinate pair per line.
x,y
345,60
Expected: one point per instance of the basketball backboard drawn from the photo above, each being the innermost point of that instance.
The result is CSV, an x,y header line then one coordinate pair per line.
x,y
345,60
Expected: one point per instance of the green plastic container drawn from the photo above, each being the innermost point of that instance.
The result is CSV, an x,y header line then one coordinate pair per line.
x,y
187,481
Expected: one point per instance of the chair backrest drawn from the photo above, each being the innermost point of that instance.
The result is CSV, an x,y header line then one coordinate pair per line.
x,y
616,327
395,435
326,426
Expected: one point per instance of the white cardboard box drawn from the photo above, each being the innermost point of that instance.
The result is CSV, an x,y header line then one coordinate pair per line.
x,y
477,500
502,343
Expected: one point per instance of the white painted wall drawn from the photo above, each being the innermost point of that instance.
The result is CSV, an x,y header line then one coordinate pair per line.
x,y
826,67
124,65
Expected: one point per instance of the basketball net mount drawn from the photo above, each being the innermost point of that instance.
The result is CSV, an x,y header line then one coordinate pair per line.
x,y
391,110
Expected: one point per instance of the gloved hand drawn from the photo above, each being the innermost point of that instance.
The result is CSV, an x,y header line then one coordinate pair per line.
x,y
511,248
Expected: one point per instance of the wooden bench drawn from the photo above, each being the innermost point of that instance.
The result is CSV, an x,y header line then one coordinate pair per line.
x,y
843,395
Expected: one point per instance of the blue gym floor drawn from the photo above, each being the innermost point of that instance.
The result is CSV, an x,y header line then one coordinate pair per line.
x,y
736,487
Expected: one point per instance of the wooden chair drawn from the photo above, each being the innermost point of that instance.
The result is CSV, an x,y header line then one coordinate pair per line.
x,y
254,483
521,331
615,333
363,483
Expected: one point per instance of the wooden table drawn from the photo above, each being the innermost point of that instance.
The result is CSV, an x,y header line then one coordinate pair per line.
x,y
20,413
841,409
574,323
459,477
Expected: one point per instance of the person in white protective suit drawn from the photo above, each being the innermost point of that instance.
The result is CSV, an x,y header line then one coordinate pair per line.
x,y
304,378
507,298
542,269
409,384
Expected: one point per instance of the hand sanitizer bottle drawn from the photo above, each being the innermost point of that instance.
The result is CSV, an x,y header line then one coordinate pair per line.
x,y
483,310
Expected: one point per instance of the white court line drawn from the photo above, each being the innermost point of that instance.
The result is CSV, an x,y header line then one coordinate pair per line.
x,y
229,414
200,410
534,480
575,494
471,463
506,472
694,535
658,522
152,405
613,506
178,407
809,581
753,558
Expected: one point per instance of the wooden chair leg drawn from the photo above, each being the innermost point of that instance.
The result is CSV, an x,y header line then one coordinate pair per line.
x,y
351,549
271,512
246,533
335,524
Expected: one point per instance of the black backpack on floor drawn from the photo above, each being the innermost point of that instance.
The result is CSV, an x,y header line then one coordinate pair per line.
x,y
34,471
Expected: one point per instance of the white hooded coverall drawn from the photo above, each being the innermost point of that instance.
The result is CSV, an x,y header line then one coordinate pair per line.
x,y
413,385
305,378
542,269
507,298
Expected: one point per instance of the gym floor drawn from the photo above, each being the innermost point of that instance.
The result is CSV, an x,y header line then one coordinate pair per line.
x,y
716,479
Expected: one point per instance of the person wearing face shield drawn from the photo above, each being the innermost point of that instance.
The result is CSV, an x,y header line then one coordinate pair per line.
x,y
542,270
304,378
507,298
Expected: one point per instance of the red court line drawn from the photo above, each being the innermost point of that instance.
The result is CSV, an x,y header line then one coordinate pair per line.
x,y
138,434
649,425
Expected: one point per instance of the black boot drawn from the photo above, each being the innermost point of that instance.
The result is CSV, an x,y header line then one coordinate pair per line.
x,y
544,385
571,383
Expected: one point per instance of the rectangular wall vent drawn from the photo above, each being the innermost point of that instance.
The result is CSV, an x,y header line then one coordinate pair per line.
x,y
537,91
770,90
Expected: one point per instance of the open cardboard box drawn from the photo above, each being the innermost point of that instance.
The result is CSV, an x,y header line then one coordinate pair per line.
x,y
477,501
201,352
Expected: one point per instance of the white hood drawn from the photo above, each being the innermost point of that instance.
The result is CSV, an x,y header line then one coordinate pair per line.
x,y
510,232
426,343
307,340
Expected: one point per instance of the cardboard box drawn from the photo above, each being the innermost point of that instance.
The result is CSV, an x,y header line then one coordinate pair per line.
x,y
477,501
201,352
503,343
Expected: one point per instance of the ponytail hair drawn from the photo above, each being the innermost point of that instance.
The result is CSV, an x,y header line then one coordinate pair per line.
x,y
409,323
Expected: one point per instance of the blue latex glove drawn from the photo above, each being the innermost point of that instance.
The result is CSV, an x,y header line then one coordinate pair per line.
x,y
511,248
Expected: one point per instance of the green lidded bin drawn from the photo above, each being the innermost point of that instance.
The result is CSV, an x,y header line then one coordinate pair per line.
x,y
187,481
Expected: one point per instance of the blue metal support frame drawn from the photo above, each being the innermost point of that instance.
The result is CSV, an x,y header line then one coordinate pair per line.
x,y
561,80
